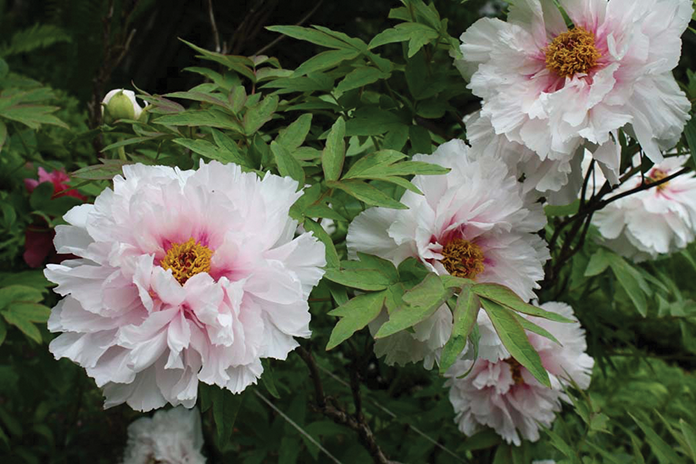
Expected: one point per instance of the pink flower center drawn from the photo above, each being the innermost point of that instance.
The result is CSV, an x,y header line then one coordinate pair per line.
x,y
187,259
572,52
462,258
515,370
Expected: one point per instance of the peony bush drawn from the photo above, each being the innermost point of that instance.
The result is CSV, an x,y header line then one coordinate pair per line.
x,y
410,247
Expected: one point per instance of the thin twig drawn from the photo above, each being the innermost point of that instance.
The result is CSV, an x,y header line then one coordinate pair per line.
x,y
299,23
297,427
213,26
395,417
329,408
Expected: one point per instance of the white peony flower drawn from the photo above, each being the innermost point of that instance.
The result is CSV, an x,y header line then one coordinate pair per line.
x,y
121,104
559,181
168,437
472,222
503,395
553,89
655,221
182,276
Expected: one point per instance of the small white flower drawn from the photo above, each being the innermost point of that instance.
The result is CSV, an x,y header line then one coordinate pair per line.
x,y
472,222
168,437
503,395
553,89
655,221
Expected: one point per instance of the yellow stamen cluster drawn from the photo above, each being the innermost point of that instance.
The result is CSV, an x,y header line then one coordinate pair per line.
x,y
515,370
187,259
462,258
572,52
657,175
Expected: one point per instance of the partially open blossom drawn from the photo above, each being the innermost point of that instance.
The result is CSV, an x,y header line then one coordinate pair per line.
x,y
552,88
183,276
121,104
38,238
168,437
472,222
655,221
504,395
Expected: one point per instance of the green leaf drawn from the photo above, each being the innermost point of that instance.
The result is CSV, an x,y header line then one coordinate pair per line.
x,y
295,134
325,60
200,97
465,314
210,151
260,114
363,279
599,262
32,115
4,69
287,164
237,98
105,171
532,327
402,33
225,409
26,326
367,193
690,134
420,140
3,134
412,271
310,35
421,302
663,451
360,77
506,297
355,315
229,149
19,293
267,378
512,335
206,118
688,431
332,260
32,312
631,281
368,261
367,163
240,64
334,153
3,331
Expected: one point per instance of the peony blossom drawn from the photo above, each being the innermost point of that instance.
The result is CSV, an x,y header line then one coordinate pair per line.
x,y
558,181
183,276
168,437
59,178
472,222
503,395
121,104
552,88
38,238
655,221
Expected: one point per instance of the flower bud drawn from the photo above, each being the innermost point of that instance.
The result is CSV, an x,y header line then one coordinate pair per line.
x,y
120,104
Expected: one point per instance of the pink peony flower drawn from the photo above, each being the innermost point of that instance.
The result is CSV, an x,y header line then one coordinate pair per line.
x,y
168,437
503,395
38,238
552,89
184,276
59,178
472,222
656,221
